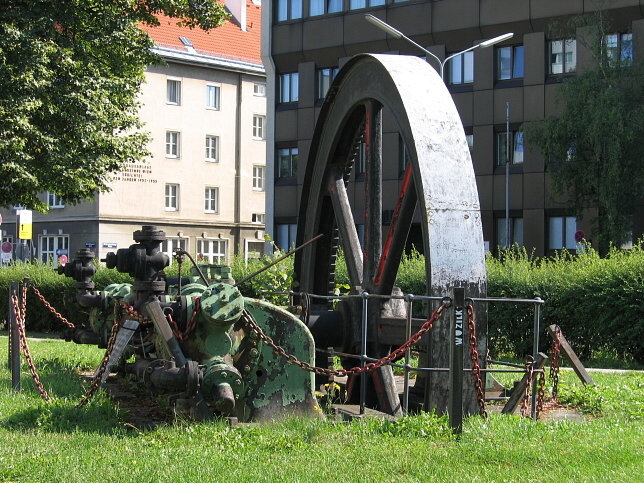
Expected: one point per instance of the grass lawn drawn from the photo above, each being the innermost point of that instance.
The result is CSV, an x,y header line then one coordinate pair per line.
x,y
42,441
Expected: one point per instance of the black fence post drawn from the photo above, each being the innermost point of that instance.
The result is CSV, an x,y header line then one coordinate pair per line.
x,y
14,348
455,404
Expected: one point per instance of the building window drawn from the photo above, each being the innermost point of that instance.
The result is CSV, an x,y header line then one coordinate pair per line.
x,y
170,246
258,178
54,200
516,147
361,158
356,4
258,126
172,144
516,232
52,247
258,218
403,156
288,9
254,250
289,87
287,162
563,56
461,69
259,90
470,142
317,7
509,62
212,251
212,149
173,92
619,49
561,232
212,97
324,79
171,197
286,236
211,200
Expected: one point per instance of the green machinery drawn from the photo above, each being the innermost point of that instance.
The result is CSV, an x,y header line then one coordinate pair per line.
x,y
192,338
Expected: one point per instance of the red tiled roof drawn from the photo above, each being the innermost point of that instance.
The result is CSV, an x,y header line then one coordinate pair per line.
x,y
227,41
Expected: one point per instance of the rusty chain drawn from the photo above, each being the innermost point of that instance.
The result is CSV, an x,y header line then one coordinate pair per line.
x,y
541,392
190,325
50,308
529,369
554,361
20,323
96,381
474,356
291,359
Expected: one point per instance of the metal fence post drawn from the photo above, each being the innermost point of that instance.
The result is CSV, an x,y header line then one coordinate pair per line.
x,y
363,355
455,403
14,348
535,352
409,298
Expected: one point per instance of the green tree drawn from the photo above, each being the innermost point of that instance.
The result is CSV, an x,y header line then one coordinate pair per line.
x,y
593,151
70,73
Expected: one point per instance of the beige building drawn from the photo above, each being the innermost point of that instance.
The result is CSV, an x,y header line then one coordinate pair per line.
x,y
204,184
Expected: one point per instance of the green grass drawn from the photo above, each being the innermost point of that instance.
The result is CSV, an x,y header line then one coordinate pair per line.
x,y
57,442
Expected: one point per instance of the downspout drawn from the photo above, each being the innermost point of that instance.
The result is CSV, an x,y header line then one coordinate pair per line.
x,y
238,249
269,67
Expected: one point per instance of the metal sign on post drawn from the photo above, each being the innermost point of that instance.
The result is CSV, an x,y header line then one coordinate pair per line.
x,y
455,404
25,227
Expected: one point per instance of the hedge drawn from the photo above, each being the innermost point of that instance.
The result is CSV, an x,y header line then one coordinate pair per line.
x,y
598,302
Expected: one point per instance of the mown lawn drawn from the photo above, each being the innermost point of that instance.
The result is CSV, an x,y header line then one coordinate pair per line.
x,y
56,442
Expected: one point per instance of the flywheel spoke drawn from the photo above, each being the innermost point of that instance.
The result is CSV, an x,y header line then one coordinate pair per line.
x,y
347,228
372,192
396,238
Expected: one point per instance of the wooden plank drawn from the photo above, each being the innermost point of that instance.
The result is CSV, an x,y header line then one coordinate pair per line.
x,y
566,349
519,390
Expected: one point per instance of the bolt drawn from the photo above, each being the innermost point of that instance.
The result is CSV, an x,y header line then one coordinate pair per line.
x,y
246,368
224,375
254,352
253,335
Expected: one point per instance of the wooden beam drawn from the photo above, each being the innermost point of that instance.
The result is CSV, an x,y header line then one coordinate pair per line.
x,y
571,356
519,390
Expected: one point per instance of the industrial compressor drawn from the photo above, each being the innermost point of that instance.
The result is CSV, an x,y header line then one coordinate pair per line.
x,y
191,338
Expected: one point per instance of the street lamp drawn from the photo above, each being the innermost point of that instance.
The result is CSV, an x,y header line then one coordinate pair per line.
x,y
397,34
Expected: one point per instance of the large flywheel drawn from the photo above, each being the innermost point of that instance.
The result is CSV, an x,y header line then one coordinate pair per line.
x,y
439,185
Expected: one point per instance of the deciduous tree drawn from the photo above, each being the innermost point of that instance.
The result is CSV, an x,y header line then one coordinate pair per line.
x,y
70,72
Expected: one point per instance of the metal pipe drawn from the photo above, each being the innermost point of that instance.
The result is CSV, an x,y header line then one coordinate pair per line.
x,y
535,353
14,349
363,357
410,301
274,262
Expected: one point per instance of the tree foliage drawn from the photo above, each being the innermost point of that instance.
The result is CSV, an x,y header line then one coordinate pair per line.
x,y
70,73
594,149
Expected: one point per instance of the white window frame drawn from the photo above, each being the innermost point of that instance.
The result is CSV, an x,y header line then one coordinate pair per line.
x,y
516,231
173,144
171,244
212,148
258,218
210,250
58,242
259,89
213,103
55,200
173,101
259,175
259,126
172,193
211,199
